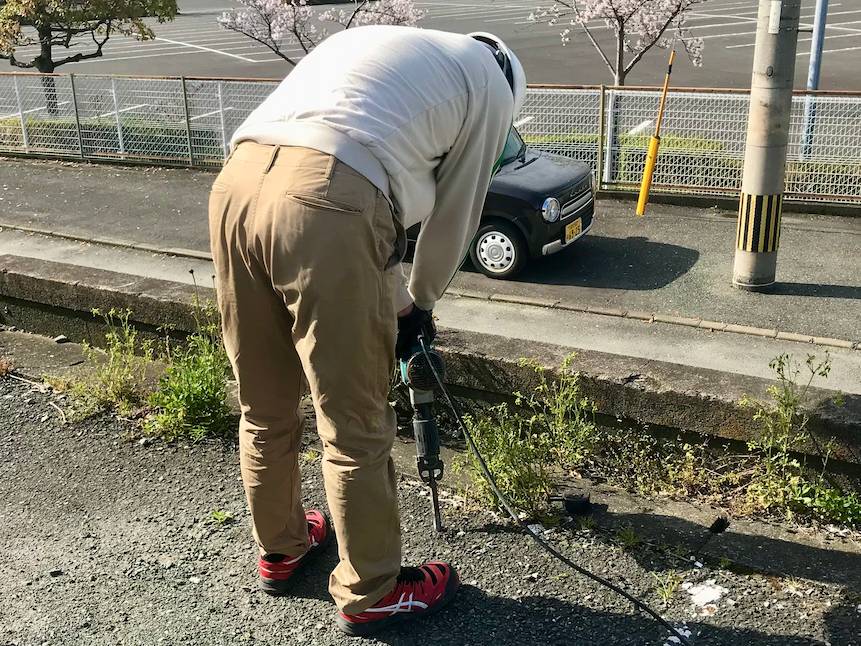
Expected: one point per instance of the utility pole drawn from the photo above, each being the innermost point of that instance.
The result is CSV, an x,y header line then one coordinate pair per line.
x,y
813,76
761,200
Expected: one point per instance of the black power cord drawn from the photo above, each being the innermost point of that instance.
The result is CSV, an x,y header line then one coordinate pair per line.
x,y
535,535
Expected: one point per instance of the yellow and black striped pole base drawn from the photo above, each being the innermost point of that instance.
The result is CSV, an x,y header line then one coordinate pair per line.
x,y
756,240
759,222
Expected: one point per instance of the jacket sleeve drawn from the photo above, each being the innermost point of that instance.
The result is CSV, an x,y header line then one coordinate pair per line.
x,y
462,180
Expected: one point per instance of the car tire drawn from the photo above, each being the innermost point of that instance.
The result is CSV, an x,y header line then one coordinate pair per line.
x,y
498,250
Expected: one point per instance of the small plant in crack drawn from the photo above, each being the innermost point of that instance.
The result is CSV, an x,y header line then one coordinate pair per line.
x,y
628,538
667,585
220,517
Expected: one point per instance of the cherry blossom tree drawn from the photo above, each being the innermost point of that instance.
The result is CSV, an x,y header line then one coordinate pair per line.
x,y
637,25
282,25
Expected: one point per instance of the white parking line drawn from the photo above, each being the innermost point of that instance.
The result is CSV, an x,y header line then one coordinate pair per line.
x,y
112,112
800,40
475,13
206,49
44,107
173,52
832,51
209,114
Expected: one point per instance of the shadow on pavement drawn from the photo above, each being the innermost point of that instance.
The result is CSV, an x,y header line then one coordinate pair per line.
x,y
816,290
761,553
634,263
844,621
479,618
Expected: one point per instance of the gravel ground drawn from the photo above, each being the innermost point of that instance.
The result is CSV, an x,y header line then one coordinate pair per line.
x,y
106,540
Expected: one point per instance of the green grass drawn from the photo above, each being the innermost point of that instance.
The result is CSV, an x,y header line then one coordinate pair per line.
x,y
119,379
550,433
187,402
667,585
628,538
220,517
190,402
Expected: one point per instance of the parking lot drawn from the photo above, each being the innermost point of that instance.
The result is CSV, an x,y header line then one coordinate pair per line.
x,y
194,44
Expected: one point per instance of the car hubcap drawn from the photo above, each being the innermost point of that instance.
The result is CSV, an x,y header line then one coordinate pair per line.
x,y
496,252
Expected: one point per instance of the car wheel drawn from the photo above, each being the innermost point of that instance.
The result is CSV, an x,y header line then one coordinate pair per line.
x,y
498,250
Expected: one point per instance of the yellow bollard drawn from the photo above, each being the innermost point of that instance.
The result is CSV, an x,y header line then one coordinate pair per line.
x,y
648,171
654,143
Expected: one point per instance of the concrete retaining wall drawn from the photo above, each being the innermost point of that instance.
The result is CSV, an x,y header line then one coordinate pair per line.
x,y
54,298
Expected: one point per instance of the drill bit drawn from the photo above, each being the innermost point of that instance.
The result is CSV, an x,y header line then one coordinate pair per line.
x,y
437,517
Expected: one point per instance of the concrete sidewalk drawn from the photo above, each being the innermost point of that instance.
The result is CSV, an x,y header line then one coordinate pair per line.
x,y
677,261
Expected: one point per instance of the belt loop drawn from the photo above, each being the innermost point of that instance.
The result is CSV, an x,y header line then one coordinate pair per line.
x,y
272,158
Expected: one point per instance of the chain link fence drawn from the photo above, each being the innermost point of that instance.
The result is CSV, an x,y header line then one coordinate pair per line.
x,y
189,122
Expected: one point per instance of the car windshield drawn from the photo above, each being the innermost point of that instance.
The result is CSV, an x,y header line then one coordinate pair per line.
x,y
513,145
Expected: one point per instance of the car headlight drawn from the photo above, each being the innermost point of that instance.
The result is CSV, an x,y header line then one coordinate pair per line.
x,y
551,210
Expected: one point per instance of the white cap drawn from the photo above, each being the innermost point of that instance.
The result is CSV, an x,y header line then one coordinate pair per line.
x,y
517,74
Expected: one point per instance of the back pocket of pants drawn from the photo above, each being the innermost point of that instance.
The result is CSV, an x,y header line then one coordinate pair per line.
x,y
323,203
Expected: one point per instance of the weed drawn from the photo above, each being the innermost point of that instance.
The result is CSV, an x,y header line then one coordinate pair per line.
x,y
667,585
550,429
550,432
191,399
628,538
586,524
5,366
221,517
118,380
781,482
725,564
310,456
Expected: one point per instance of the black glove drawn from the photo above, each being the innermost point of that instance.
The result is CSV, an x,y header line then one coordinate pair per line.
x,y
417,323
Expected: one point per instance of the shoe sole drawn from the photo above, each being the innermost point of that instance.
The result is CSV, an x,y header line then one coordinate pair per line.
x,y
283,587
374,627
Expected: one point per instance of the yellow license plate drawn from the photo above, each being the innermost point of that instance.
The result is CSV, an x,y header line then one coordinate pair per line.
x,y
573,230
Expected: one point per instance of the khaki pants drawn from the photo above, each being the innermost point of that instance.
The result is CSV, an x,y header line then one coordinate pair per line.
x,y
300,243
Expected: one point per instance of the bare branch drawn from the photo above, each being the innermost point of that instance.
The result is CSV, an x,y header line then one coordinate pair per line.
x,y
271,45
355,12
594,42
639,56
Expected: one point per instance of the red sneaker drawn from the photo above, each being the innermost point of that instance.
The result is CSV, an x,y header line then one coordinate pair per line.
x,y
276,569
419,592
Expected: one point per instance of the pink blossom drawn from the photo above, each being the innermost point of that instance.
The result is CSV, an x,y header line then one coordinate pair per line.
x,y
638,25
282,25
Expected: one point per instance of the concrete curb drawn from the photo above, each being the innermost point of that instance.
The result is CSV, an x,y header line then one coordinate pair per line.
x,y
54,298
657,317
650,317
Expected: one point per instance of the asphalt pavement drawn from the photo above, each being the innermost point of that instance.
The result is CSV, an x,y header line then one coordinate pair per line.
x,y
677,261
107,540
194,44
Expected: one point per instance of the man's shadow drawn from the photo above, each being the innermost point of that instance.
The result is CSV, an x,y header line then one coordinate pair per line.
x,y
477,617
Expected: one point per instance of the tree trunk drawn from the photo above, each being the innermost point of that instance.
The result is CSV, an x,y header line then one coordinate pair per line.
x,y
45,64
612,115
619,76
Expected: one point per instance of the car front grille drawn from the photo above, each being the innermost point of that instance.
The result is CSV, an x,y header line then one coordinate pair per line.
x,y
574,205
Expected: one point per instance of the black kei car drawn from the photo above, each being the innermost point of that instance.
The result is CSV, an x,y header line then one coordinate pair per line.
x,y
538,203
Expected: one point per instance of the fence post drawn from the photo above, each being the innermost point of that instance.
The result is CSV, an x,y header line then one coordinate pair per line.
x,y
814,68
117,116
599,165
224,145
24,136
610,133
77,116
187,123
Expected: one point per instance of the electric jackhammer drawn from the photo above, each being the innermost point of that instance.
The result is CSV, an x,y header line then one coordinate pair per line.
x,y
418,375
